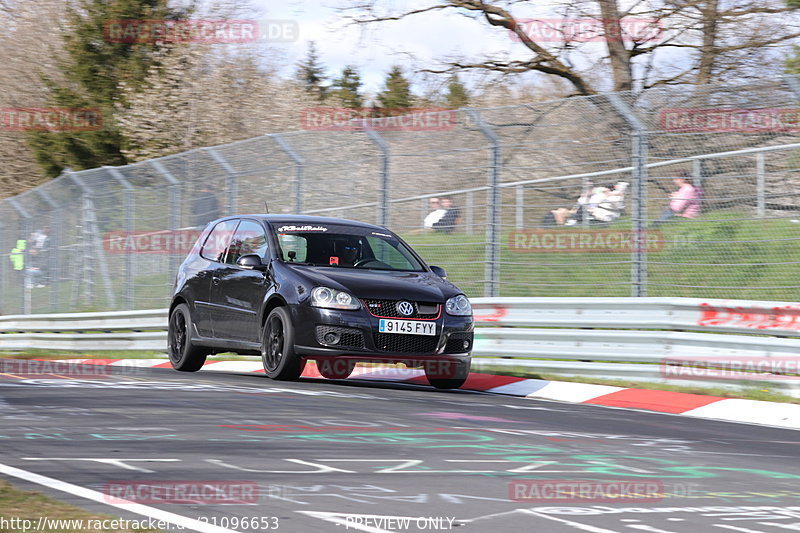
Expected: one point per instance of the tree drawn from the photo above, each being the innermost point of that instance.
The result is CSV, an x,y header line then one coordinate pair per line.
x,y
311,73
194,98
457,95
91,73
707,41
347,88
793,61
397,91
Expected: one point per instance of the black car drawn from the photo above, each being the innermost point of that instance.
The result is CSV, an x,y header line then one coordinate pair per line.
x,y
294,288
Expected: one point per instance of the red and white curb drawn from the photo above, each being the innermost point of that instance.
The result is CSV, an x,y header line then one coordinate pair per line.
x,y
782,415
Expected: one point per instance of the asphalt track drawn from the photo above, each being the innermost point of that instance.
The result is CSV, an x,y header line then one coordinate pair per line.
x,y
318,455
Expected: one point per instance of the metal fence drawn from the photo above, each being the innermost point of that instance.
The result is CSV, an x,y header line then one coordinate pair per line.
x,y
506,169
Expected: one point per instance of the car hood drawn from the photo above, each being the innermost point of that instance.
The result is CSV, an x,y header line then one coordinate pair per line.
x,y
380,284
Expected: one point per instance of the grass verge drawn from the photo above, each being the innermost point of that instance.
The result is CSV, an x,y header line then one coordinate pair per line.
x,y
31,505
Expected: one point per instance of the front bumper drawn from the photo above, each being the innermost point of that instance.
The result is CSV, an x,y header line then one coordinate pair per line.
x,y
358,337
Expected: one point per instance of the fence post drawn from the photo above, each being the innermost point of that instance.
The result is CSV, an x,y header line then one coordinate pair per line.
x,y
233,186
89,221
492,272
174,191
383,201
639,162
27,283
761,186
129,227
299,170
470,208
54,253
520,207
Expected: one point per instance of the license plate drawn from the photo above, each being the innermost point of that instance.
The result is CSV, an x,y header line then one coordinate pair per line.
x,y
407,327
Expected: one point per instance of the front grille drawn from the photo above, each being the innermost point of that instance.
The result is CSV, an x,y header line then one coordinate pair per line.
x,y
349,337
388,309
455,343
416,344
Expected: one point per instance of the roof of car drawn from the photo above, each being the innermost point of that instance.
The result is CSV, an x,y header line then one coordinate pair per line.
x,y
304,219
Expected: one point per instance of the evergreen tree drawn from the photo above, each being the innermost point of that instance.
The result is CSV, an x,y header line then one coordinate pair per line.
x,y
457,95
311,73
397,93
793,62
94,69
347,88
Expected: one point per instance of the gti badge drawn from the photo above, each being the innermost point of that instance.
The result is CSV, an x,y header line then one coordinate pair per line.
x,y
405,308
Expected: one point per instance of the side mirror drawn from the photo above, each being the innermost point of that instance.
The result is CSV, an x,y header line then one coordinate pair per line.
x,y
251,262
439,271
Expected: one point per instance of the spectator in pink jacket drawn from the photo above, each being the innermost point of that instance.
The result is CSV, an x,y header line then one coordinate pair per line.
x,y
685,202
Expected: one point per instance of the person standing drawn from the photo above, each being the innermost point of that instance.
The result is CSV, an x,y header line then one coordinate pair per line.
x,y
685,202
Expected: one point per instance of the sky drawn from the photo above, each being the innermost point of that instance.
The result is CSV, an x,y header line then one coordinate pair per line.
x,y
419,40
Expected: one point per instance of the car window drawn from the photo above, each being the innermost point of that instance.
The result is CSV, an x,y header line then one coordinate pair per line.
x,y
344,246
248,239
217,241
394,257
293,243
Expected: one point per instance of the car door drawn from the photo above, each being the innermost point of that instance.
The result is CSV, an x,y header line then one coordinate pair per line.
x,y
239,292
212,253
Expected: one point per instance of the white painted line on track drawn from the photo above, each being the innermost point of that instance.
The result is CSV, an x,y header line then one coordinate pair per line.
x,y
736,528
576,525
125,505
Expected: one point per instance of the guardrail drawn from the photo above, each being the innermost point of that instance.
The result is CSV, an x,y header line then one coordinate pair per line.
x,y
118,330
682,341
672,340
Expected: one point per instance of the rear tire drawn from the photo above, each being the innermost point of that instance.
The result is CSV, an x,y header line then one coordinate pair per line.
x,y
183,354
335,368
277,347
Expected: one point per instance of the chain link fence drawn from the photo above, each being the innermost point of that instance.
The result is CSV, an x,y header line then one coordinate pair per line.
x,y
563,198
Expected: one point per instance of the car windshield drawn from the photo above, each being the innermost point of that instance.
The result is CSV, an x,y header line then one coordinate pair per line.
x,y
342,246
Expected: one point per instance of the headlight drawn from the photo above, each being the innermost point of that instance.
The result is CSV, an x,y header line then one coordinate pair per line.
x,y
459,306
333,299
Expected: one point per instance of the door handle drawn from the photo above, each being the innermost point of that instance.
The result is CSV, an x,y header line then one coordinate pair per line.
x,y
215,280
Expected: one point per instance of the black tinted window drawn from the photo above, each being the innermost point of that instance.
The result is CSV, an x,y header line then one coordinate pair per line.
x,y
217,241
248,239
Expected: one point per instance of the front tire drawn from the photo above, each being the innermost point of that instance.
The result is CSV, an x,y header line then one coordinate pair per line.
x,y
447,374
277,347
332,368
183,354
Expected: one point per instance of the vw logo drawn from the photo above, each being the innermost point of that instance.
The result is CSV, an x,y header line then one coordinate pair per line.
x,y
405,308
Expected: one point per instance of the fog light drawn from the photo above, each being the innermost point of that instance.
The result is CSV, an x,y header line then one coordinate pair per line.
x,y
466,344
331,338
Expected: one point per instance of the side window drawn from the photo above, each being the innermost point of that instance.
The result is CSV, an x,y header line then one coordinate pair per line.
x,y
248,239
217,241
390,255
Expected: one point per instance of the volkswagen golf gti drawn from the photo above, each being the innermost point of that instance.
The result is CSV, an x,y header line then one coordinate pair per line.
x,y
297,288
